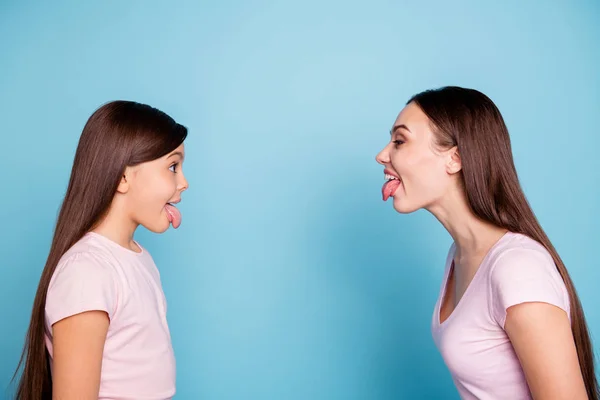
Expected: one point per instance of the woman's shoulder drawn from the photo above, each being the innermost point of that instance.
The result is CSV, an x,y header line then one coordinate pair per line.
x,y
523,270
517,246
521,261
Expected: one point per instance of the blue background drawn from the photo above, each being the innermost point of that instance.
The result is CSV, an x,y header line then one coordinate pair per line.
x,y
290,278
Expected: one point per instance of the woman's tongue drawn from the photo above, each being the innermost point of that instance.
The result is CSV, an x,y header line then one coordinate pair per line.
x,y
174,215
389,188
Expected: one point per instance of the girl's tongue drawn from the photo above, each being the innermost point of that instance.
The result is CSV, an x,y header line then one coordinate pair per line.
x,y
174,215
389,188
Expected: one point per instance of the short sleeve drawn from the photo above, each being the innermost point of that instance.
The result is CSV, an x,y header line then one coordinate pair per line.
x,y
83,282
524,275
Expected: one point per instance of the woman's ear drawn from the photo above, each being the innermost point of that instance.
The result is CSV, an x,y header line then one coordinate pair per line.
x,y
454,162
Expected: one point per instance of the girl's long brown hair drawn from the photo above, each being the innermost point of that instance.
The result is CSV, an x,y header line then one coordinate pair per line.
x,y
117,135
468,119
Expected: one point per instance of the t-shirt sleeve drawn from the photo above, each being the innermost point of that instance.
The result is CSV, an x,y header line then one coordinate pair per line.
x,y
525,275
83,282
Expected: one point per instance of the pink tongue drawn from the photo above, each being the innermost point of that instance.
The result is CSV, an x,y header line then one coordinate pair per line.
x,y
389,188
174,215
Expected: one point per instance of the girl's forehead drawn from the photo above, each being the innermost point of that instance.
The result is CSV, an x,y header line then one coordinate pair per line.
x,y
178,152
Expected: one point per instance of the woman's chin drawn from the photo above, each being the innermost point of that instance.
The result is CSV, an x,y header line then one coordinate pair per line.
x,y
402,206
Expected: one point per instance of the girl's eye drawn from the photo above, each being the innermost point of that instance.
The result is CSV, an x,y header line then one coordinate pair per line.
x,y
173,167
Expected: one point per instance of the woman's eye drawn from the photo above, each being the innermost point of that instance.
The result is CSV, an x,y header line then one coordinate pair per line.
x,y
398,142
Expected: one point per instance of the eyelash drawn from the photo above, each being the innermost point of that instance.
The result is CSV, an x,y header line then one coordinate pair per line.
x,y
173,165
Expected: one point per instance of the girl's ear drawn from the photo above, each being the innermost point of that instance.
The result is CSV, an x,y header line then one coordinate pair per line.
x,y
124,183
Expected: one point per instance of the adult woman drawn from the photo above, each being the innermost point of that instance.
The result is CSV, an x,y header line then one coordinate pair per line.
x,y
508,321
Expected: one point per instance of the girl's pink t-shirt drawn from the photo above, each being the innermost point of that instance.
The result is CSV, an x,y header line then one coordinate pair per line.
x,y
472,340
98,274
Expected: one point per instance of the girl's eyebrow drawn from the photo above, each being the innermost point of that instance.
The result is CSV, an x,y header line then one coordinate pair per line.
x,y
177,153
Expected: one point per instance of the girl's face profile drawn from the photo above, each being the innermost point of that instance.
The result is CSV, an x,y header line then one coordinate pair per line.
x,y
152,190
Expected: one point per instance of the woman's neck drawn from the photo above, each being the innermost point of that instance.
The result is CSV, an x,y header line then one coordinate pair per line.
x,y
473,236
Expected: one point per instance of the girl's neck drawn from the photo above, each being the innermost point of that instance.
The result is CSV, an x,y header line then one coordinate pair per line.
x,y
119,228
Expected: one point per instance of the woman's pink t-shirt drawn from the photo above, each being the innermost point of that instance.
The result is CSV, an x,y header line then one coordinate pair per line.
x,y
472,340
98,274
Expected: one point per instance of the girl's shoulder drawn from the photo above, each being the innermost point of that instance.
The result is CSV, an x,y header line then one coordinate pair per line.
x,y
94,245
87,248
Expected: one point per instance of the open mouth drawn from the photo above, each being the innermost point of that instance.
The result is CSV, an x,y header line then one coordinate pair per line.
x,y
392,183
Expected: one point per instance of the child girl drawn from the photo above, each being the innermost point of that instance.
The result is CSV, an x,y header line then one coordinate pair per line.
x,y
98,326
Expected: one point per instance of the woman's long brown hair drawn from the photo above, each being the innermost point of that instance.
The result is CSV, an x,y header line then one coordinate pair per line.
x,y
469,120
117,135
